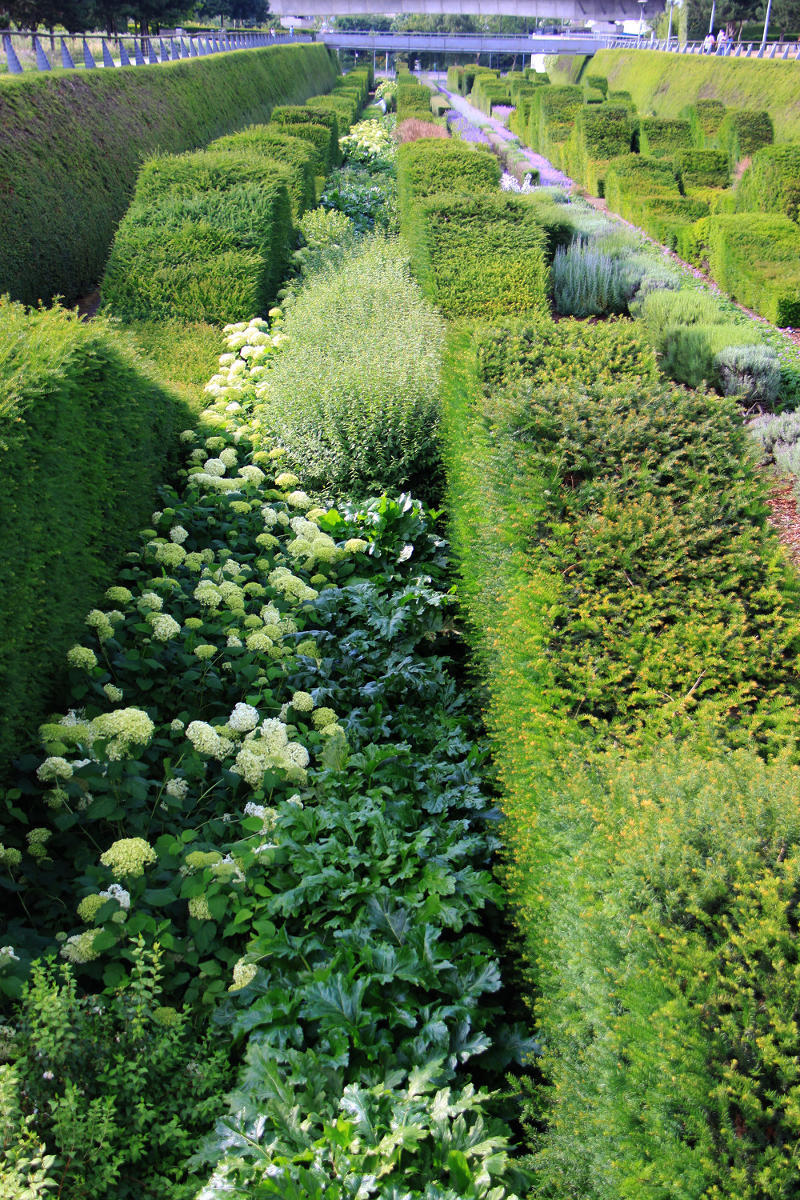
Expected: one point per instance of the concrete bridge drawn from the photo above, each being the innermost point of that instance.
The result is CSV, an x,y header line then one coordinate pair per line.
x,y
572,10
471,43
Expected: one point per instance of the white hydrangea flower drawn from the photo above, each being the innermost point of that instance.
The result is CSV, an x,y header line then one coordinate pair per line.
x,y
302,702
54,768
178,534
149,602
243,973
178,789
82,657
128,856
214,466
206,740
164,627
122,729
243,718
115,891
228,456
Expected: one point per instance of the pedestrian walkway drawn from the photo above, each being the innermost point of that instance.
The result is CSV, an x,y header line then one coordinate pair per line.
x,y
549,176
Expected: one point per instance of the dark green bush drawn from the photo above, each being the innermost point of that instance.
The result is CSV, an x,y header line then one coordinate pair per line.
x,y
312,114
295,153
755,258
660,137
237,208
476,255
73,142
319,138
772,182
541,349
87,436
742,132
432,165
487,91
702,168
705,117
413,98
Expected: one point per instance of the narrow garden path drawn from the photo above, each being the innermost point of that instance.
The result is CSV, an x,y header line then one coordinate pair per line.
x,y
549,176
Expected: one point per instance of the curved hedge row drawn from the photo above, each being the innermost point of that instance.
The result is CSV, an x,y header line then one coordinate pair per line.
x,y
71,145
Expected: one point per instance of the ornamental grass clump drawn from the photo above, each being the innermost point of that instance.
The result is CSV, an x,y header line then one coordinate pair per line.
x,y
353,394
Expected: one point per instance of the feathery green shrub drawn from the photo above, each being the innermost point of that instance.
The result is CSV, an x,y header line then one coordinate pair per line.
x,y
750,372
353,394
705,117
588,282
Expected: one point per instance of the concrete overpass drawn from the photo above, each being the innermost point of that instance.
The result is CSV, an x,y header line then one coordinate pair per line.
x,y
571,10
471,43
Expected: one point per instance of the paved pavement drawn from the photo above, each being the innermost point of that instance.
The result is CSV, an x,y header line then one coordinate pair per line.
x,y
548,175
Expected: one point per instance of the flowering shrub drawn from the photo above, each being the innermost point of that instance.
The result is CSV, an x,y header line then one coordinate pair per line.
x,y
369,143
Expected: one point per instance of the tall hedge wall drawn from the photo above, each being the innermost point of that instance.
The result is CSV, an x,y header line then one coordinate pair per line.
x,y
664,84
85,438
71,144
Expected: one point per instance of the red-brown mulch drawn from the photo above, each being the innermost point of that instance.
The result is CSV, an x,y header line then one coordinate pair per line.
x,y
785,516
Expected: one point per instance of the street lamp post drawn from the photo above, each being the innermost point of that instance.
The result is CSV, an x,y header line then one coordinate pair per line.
x,y
669,27
641,20
766,26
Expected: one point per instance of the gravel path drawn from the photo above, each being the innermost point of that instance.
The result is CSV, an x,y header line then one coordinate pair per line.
x,y
548,175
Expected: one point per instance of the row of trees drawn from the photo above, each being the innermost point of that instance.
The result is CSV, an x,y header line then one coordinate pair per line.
x,y
79,16
741,19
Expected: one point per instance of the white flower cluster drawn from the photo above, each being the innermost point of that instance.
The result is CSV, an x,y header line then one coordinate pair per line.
x,y
310,545
246,364
509,183
128,856
122,729
268,749
207,741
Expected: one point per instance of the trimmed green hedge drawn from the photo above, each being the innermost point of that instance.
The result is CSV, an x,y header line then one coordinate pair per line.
x,y
72,143
742,132
488,91
207,238
705,118
755,258
474,255
771,183
552,115
413,98
312,114
661,138
432,165
702,168
324,146
601,132
86,437
295,154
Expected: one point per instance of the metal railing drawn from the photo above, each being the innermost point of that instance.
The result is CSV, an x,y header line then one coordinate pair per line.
x,y
124,50
732,49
